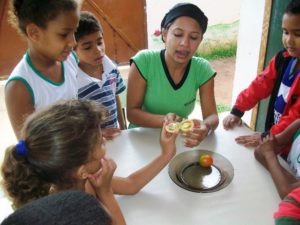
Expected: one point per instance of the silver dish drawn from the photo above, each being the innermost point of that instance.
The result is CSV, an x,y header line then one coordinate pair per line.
x,y
186,172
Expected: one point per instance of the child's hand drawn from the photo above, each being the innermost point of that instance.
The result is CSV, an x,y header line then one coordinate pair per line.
x,y
231,121
267,145
196,135
266,150
101,180
167,141
110,133
252,140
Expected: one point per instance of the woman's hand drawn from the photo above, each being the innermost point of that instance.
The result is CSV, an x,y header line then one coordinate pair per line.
x,y
172,117
231,121
101,180
196,135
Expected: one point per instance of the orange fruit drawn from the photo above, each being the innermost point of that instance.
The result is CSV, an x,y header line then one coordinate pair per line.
x,y
186,125
206,160
173,127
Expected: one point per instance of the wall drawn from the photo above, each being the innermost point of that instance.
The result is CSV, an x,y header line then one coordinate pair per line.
x,y
249,40
214,10
124,24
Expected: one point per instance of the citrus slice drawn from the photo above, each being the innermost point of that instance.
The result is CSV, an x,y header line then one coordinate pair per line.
x,y
186,125
173,127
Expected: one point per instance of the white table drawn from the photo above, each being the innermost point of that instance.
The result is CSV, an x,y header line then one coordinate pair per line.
x,y
250,199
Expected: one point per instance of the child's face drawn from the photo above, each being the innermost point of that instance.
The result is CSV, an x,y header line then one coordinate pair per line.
x,y
56,41
182,39
291,33
90,49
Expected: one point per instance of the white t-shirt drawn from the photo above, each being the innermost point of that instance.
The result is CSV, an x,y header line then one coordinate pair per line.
x,y
45,92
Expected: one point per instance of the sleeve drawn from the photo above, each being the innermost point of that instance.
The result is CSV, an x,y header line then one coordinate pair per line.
x,y
141,60
120,83
260,88
205,70
289,209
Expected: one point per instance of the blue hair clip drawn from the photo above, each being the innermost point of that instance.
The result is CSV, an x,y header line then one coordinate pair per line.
x,y
21,148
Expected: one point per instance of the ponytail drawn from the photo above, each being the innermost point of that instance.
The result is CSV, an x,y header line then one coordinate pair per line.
x,y
20,180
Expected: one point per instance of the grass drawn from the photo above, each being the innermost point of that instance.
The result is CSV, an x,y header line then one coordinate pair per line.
x,y
220,41
223,51
223,108
220,106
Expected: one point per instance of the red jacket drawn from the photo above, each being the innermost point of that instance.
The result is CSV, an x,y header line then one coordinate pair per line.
x,y
262,87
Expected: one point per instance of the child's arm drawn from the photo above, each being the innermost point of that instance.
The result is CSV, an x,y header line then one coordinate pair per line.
x,y
266,154
136,181
18,103
260,88
101,183
121,119
286,136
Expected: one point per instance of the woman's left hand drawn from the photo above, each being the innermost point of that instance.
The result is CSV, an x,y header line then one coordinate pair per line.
x,y
198,133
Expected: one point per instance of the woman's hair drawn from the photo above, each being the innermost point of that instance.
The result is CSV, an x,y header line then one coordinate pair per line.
x,y
39,12
184,9
293,7
54,143
88,24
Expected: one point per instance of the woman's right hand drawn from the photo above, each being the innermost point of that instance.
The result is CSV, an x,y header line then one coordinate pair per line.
x,y
231,121
102,179
172,117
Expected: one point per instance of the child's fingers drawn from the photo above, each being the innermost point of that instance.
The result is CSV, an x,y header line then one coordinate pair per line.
x,y
165,133
110,166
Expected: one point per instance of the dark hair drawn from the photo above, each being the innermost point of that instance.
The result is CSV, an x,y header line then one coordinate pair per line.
x,y
293,7
58,140
39,12
88,24
63,208
185,9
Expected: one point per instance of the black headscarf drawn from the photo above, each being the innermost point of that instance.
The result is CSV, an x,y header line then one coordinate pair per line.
x,y
185,9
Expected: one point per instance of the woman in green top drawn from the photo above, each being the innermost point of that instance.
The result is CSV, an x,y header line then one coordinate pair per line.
x,y
163,85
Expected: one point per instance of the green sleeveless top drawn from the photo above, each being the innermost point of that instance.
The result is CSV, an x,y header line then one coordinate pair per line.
x,y
162,95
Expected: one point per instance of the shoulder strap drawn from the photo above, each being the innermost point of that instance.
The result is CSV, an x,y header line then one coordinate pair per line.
x,y
281,64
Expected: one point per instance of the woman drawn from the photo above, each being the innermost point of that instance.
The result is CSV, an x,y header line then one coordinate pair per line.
x,y
163,85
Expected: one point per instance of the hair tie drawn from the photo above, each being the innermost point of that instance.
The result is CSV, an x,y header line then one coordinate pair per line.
x,y
21,148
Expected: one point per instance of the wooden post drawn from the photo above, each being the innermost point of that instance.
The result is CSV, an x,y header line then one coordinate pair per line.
x,y
262,53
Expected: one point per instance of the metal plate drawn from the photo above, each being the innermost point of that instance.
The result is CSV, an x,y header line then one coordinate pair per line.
x,y
185,171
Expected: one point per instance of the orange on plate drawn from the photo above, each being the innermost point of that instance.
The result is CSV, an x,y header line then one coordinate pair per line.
x,y
205,160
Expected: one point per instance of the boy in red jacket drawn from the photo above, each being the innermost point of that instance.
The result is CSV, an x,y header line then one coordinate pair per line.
x,y
280,80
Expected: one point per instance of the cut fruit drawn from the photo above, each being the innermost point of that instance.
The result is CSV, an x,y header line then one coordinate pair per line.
x,y
186,125
173,127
